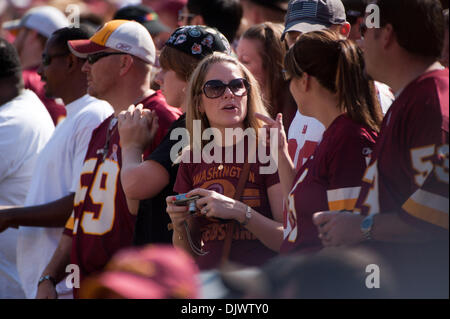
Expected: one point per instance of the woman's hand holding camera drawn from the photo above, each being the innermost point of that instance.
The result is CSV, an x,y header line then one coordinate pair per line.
x,y
178,214
214,205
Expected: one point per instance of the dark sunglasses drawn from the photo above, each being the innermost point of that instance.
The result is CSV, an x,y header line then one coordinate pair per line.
x,y
214,89
92,58
47,58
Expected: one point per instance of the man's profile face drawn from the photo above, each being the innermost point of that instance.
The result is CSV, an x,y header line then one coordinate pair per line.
x,y
101,76
21,40
53,68
371,49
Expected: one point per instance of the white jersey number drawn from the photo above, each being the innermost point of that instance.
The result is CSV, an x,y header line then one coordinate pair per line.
x,y
371,177
102,193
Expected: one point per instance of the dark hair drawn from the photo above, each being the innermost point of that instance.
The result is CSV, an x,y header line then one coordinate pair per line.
x,y
181,63
61,36
272,55
354,9
224,15
338,65
10,68
445,12
418,25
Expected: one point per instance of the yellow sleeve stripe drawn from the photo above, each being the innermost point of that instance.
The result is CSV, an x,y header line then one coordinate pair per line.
x,y
70,222
347,204
429,207
343,198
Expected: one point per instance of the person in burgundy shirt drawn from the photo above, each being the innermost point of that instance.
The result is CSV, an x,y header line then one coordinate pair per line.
x,y
328,83
403,203
102,222
230,99
32,32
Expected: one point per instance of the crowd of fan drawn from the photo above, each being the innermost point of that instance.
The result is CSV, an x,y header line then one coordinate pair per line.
x,y
104,105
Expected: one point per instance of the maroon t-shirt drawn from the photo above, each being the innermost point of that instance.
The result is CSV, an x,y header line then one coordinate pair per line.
x,y
32,81
329,180
101,223
223,178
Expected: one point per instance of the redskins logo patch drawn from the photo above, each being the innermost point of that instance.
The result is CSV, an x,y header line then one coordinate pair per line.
x,y
195,33
208,41
181,39
196,48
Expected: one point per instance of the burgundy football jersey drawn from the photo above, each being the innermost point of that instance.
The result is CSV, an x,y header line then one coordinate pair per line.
x,y
223,178
409,170
101,223
408,175
329,180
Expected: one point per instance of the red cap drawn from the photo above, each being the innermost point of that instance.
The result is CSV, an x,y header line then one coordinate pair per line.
x,y
153,272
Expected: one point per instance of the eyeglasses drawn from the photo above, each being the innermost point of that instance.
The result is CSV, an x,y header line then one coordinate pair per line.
x,y
214,89
47,58
92,58
182,15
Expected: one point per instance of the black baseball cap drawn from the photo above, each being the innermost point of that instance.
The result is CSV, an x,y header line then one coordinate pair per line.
x,y
313,15
198,41
144,15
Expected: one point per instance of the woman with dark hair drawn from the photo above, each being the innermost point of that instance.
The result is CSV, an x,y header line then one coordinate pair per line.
x,y
152,180
328,83
261,50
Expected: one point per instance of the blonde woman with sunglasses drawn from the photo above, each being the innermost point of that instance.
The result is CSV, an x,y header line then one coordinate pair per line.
x,y
222,94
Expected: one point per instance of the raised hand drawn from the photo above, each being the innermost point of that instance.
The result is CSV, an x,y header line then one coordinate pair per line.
x,y
276,124
137,127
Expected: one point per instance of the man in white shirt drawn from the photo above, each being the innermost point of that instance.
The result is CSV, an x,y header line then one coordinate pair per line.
x,y
25,128
59,166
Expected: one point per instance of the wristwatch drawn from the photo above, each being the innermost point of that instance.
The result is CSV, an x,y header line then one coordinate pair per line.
x,y
366,227
47,277
248,215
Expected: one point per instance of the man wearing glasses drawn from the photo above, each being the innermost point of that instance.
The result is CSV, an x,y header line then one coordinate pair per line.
x,y
49,200
119,60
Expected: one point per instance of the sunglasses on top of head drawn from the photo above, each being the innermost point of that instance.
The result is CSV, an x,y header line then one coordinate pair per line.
x,y
214,89
92,58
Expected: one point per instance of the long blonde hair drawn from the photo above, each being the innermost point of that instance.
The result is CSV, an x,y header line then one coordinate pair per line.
x,y
194,94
